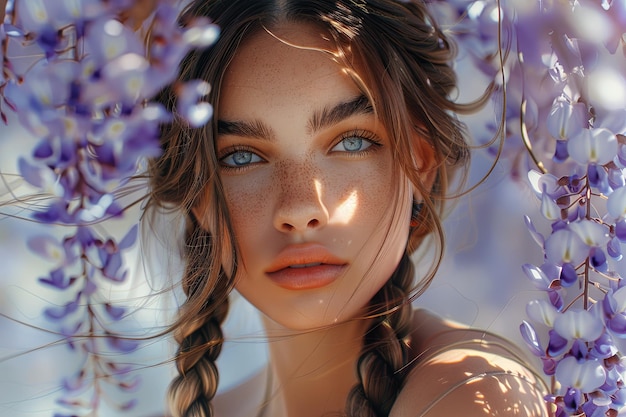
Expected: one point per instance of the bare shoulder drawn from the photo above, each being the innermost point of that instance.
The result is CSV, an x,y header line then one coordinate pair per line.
x,y
460,371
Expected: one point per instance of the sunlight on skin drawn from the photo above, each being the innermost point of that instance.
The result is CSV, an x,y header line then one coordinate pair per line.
x,y
344,211
318,191
488,390
343,214
514,409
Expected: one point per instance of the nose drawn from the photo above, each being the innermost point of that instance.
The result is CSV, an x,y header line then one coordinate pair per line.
x,y
300,207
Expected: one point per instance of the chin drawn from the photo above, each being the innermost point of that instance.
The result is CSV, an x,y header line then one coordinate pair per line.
x,y
310,309
303,319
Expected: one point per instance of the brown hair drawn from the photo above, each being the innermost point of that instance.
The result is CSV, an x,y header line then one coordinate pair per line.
x,y
401,60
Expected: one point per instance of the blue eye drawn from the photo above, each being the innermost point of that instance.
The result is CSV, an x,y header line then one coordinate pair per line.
x,y
240,159
352,143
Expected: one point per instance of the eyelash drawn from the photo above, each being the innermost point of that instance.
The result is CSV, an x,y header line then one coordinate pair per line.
x,y
231,150
373,140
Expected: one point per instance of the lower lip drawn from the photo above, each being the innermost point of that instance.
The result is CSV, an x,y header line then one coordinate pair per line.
x,y
306,278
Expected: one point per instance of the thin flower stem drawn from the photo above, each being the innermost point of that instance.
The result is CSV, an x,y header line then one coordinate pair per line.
x,y
600,195
610,278
553,388
578,297
526,139
3,5
576,201
587,261
94,360
523,128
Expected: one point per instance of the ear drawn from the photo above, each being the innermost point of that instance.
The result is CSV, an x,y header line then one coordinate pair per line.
x,y
427,165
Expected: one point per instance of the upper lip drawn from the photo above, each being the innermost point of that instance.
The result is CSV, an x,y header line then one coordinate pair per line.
x,y
302,254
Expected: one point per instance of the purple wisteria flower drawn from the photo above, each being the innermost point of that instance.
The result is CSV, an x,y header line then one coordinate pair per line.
x,y
582,351
561,66
87,102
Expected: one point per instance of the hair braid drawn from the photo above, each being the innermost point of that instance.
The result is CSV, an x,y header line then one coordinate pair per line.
x,y
381,366
200,339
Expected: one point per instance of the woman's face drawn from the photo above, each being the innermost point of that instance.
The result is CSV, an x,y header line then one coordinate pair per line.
x,y
320,218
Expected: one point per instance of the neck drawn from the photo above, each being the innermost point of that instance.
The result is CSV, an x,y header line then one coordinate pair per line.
x,y
313,371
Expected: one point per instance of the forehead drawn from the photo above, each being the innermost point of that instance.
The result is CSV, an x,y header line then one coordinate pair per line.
x,y
292,65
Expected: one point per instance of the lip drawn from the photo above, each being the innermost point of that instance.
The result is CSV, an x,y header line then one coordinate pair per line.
x,y
318,267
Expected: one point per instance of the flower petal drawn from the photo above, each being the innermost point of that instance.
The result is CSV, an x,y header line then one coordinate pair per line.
x,y
586,376
549,209
565,246
579,324
538,277
564,119
530,337
542,311
592,233
538,237
597,146
568,275
616,203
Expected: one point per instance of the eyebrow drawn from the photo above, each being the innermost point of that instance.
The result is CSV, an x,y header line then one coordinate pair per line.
x,y
253,129
320,119
331,116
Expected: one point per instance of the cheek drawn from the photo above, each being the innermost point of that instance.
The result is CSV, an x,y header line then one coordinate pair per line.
x,y
380,199
247,208
387,209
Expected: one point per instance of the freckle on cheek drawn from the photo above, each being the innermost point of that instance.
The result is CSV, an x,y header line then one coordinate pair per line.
x,y
245,209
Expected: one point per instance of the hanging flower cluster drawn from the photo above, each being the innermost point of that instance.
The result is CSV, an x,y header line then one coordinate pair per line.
x,y
560,67
86,101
